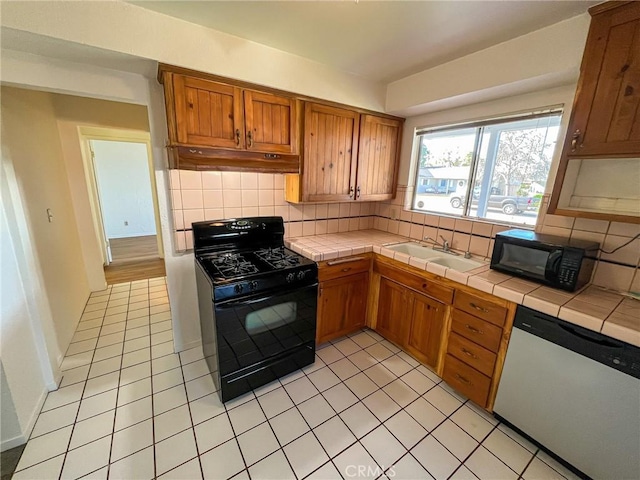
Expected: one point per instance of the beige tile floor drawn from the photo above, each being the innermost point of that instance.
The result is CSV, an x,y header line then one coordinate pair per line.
x,y
130,408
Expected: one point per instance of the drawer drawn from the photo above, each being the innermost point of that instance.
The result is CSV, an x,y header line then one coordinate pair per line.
x,y
481,308
466,380
483,333
433,289
472,354
343,266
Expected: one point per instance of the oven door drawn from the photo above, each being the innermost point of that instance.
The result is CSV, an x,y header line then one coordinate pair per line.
x,y
264,336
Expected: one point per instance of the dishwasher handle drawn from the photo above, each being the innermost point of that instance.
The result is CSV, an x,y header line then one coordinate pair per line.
x,y
586,336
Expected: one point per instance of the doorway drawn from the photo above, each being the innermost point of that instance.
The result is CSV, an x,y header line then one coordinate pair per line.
x,y
126,210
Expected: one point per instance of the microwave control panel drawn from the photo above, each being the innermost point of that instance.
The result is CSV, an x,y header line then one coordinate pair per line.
x,y
569,267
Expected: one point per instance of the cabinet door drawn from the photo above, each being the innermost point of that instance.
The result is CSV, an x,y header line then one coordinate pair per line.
x,y
605,119
427,319
342,306
392,308
208,113
270,122
330,149
377,157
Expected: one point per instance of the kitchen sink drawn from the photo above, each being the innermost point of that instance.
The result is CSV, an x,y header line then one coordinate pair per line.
x,y
415,249
418,250
456,263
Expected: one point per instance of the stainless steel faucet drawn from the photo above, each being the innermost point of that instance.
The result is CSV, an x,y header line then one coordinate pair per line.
x,y
441,247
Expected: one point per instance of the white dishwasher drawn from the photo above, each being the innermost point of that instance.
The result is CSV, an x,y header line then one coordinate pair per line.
x,y
575,392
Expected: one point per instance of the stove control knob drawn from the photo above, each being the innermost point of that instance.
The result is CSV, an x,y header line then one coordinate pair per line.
x,y
290,277
238,288
253,285
301,275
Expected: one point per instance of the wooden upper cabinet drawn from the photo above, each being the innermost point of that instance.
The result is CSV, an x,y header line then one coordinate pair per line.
x,y
270,122
378,153
207,113
348,155
606,113
601,151
330,149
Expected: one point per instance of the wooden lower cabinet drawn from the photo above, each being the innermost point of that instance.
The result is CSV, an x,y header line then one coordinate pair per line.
x,y
425,332
411,320
342,306
392,305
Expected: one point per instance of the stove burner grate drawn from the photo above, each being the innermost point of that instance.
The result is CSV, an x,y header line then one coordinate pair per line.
x,y
278,258
231,265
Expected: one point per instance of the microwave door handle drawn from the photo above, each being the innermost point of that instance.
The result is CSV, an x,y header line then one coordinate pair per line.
x,y
552,269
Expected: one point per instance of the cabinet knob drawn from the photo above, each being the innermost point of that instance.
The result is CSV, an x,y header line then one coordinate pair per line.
x,y
473,329
250,138
478,307
350,192
469,354
575,139
238,136
358,192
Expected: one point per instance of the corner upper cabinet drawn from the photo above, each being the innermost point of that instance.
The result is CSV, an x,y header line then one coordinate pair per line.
x,y
599,169
347,155
605,119
218,125
378,154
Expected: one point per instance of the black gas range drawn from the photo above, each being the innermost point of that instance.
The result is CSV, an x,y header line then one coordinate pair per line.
x,y
257,302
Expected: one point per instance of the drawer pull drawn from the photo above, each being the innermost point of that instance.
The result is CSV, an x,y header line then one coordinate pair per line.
x,y
344,260
469,354
462,379
346,269
474,329
478,307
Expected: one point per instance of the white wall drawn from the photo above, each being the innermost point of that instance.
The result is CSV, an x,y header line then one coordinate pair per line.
x,y
155,36
31,144
124,185
72,113
540,60
23,386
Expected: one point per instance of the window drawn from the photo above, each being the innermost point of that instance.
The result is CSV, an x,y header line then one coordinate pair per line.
x,y
495,170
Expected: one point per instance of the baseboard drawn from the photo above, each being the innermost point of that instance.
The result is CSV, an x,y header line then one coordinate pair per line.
x,y
34,414
12,442
186,346
22,439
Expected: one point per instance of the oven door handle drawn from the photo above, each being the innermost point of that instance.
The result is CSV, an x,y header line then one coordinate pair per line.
x,y
250,300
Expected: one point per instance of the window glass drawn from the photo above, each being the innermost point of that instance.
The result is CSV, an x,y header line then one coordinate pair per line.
x,y
496,171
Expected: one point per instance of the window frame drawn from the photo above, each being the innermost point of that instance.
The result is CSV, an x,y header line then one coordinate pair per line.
x,y
531,114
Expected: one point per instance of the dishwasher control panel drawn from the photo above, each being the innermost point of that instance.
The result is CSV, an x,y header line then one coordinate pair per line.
x,y
606,350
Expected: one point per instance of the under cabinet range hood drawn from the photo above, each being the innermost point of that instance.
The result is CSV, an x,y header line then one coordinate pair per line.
x,y
200,158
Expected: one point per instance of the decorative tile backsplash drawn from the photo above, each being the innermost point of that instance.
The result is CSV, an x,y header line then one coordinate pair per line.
x,y
198,196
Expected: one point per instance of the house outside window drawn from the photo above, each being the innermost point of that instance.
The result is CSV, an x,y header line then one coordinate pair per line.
x,y
495,169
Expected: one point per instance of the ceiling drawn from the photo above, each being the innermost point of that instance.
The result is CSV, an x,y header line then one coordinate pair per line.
x,y
382,41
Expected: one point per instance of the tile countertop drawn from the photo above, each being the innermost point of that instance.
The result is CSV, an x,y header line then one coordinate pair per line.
x,y
591,307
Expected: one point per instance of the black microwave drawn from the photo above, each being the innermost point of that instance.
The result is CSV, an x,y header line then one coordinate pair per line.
x,y
558,262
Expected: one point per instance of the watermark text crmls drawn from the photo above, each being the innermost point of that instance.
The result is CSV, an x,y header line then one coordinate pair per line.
x,y
367,471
